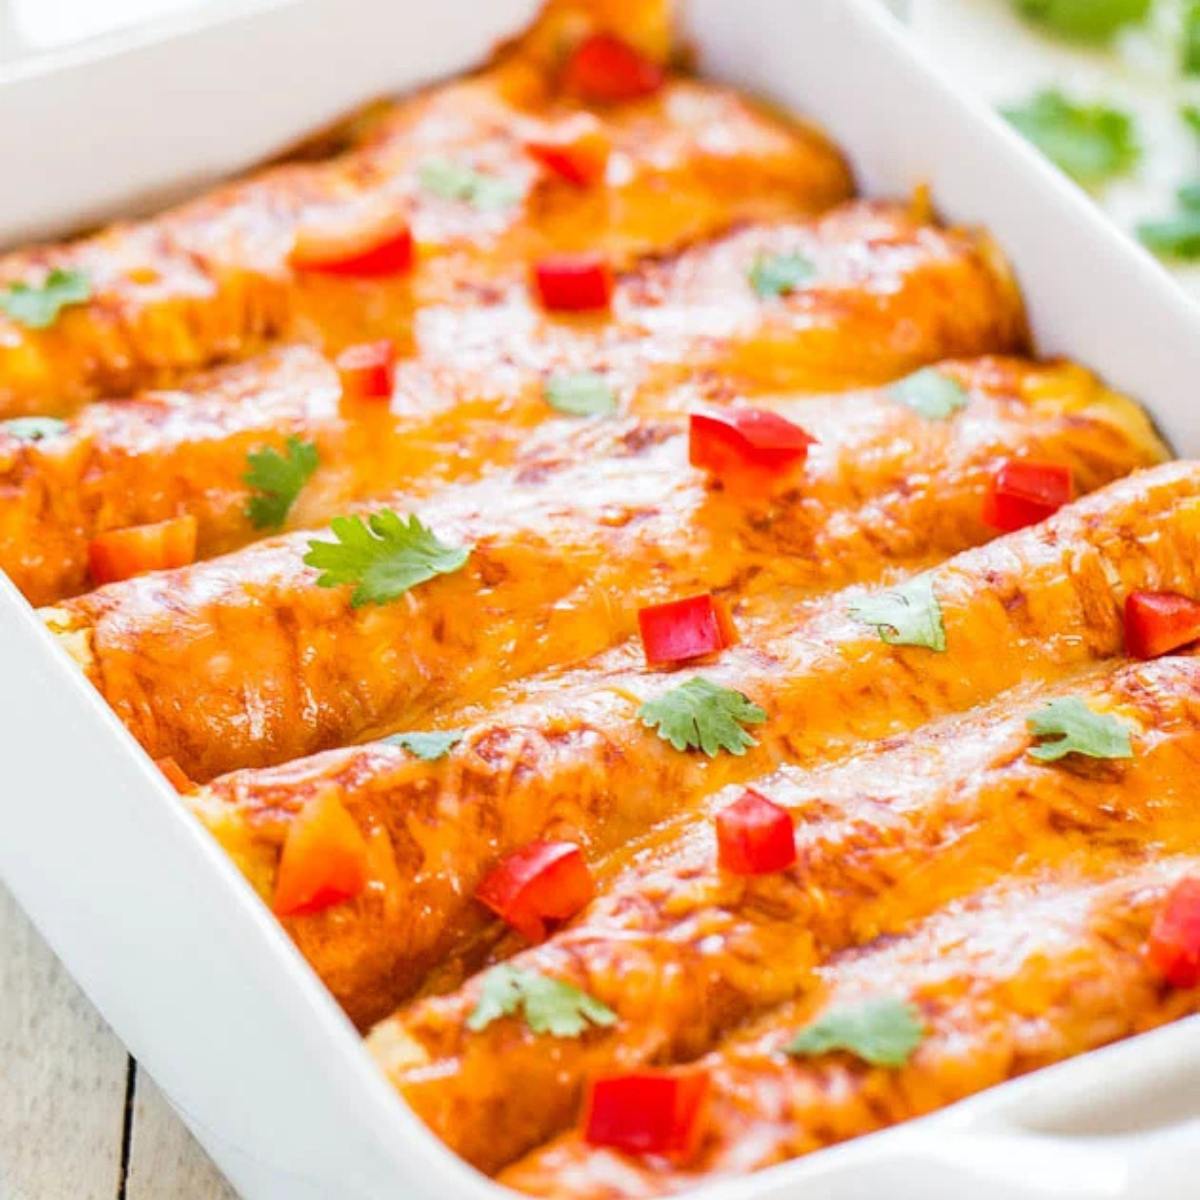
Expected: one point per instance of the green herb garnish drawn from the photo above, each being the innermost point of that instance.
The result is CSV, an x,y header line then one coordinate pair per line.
x,y
931,393
1189,37
779,274
1077,729
33,429
456,181
549,1005
428,747
582,394
278,479
909,615
37,306
1083,20
383,556
699,715
1091,142
883,1033
1177,236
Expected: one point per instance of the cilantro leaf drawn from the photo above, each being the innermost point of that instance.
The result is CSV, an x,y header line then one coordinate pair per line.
x,y
383,556
1177,236
583,394
934,395
1189,48
779,274
699,715
428,747
456,181
882,1032
37,307
1091,142
1191,116
279,479
1077,729
33,429
1083,20
1173,237
549,1005
909,615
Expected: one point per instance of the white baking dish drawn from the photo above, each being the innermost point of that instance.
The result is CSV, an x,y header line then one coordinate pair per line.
x,y
190,969
122,123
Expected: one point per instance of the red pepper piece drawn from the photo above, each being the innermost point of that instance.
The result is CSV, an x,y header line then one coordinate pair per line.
x,y
574,283
1174,945
576,151
605,69
648,1112
123,553
755,836
363,245
367,371
745,439
1023,492
324,859
683,629
1159,622
542,881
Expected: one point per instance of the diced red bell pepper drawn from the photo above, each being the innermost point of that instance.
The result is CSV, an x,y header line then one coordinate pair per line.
x,y
755,836
745,439
367,371
576,151
324,859
175,775
542,881
1159,622
1022,493
1174,945
123,553
648,1112
364,244
605,69
574,283
683,629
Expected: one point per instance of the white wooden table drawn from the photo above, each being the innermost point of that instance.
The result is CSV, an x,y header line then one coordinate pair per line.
x,y
78,1120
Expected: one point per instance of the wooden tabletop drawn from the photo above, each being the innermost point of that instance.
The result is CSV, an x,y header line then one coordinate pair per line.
x,y
78,1119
